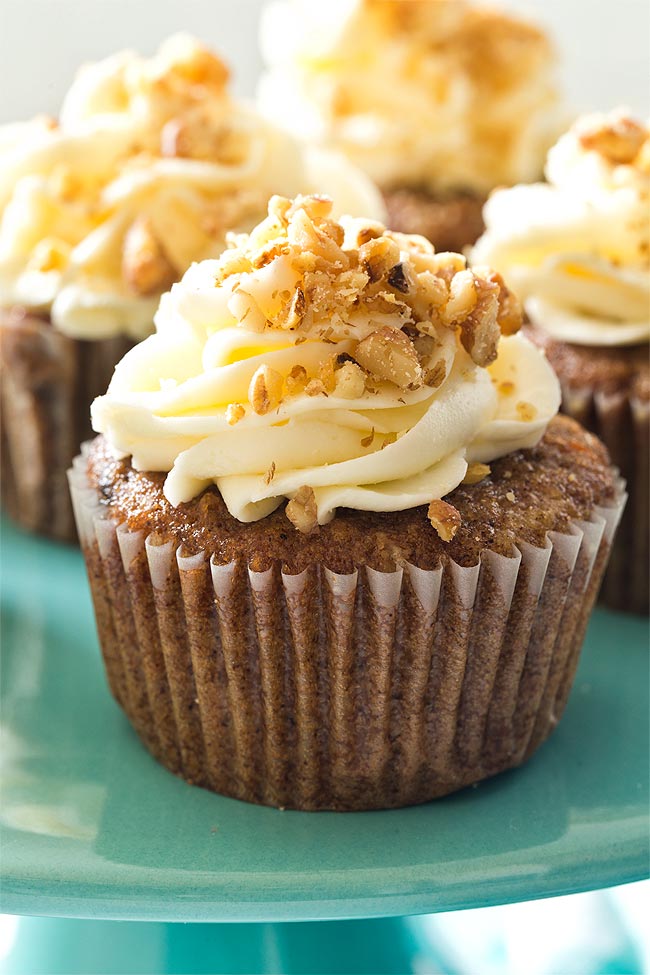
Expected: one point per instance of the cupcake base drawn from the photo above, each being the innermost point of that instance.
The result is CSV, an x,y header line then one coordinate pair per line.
x,y
48,384
451,222
607,390
326,689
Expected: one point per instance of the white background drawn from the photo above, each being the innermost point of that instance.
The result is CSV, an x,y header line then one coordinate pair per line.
x,y
605,44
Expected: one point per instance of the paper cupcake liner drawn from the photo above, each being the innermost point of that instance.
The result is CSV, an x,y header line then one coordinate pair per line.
x,y
48,384
623,424
329,691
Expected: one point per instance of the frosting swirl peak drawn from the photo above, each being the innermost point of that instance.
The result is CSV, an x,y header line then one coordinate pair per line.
x,y
333,363
577,249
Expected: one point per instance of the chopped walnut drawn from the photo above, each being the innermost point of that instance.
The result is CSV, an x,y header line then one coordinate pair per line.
x,y
444,518
436,375
389,354
234,413
145,266
302,511
479,333
294,312
616,137
475,473
462,298
315,387
265,390
326,373
378,256
350,381
510,315
270,474
296,380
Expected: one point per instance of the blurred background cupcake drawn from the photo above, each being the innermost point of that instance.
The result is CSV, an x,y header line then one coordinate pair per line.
x,y
577,250
149,165
439,101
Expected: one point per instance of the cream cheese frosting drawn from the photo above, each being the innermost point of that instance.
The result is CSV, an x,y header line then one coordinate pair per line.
x,y
436,94
151,162
577,248
332,363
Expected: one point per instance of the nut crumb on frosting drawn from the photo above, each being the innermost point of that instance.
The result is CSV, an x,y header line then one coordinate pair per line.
x,y
349,273
618,138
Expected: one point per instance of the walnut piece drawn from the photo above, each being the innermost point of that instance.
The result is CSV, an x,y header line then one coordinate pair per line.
x,y
444,518
480,332
302,511
145,266
350,381
389,354
616,137
297,380
462,298
475,473
265,390
234,413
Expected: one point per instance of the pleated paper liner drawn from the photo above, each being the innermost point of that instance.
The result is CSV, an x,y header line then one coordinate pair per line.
x,y
623,424
48,383
329,691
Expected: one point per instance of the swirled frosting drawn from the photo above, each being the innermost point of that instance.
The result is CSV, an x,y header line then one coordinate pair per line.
x,y
337,363
149,165
436,94
577,249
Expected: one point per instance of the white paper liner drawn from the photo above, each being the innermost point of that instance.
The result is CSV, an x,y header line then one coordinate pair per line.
x,y
343,691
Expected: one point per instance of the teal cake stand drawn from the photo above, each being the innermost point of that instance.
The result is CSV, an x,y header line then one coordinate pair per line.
x,y
94,829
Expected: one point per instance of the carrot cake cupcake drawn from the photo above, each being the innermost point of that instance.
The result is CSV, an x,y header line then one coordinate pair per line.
x,y
149,165
342,552
577,250
438,100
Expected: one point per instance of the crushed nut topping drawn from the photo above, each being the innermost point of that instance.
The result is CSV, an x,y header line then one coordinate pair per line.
x,y
339,278
265,390
302,511
270,474
444,518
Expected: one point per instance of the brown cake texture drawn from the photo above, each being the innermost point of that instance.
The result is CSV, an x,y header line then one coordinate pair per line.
x,y
47,383
368,664
451,221
608,391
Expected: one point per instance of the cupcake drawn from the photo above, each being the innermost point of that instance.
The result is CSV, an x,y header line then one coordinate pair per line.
x,y
149,165
341,553
577,250
439,101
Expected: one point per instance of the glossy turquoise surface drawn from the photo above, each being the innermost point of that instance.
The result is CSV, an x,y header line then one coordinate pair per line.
x,y
93,827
